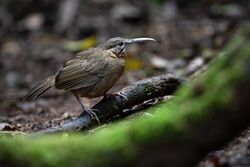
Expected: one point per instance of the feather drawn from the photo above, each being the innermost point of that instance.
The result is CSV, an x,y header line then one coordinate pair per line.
x,y
39,89
81,72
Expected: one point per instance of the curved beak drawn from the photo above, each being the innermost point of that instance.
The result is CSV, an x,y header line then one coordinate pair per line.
x,y
135,40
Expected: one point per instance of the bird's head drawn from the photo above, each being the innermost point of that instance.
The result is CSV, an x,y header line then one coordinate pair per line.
x,y
118,45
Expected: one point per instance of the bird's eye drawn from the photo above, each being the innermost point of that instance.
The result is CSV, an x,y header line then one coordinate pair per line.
x,y
121,43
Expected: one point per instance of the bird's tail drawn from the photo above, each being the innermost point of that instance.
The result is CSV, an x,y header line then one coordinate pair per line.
x,y
39,89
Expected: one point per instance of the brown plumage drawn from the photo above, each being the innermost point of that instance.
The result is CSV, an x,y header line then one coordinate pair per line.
x,y
91,73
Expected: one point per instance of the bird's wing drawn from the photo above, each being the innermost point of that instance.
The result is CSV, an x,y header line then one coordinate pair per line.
x,y
83,71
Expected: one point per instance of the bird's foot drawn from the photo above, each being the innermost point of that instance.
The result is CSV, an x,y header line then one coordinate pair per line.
x,y
93,114
119,94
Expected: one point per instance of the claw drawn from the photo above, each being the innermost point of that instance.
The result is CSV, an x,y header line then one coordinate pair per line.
x,y
119,94
89,111
93,114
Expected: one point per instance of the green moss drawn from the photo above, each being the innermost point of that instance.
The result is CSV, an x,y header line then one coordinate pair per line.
x,y
148,89
114,105
120,140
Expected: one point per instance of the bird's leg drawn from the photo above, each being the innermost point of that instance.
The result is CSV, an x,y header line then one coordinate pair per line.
x,y
119,94
85,108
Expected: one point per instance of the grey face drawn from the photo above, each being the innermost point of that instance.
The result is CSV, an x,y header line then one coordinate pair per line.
x,y
118,45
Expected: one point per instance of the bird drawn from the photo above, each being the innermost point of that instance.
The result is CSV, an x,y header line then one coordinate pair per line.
x,y
91,73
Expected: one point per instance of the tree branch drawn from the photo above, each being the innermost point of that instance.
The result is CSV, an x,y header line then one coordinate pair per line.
x,y
111,106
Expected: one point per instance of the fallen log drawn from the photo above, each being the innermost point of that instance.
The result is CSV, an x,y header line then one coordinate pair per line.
x,y
111,106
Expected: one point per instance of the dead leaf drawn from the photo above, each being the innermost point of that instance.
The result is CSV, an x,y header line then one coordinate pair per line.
x,y
81,44
133,63
6,127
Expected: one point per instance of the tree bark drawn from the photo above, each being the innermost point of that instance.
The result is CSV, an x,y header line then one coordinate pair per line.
x,y
114,105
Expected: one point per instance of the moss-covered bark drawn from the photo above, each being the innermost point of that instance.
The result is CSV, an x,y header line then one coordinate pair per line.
x,y
204,114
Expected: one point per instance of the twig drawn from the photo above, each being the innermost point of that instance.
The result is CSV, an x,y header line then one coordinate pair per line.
x,y
111,106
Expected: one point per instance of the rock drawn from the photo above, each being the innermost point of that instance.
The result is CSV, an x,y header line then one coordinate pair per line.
x,y
33,22
178,63
11,47
195,64
127,13
12,79
27,106
161,63
6,127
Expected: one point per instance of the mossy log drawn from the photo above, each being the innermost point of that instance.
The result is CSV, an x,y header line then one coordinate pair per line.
x,y
114,105
203,116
